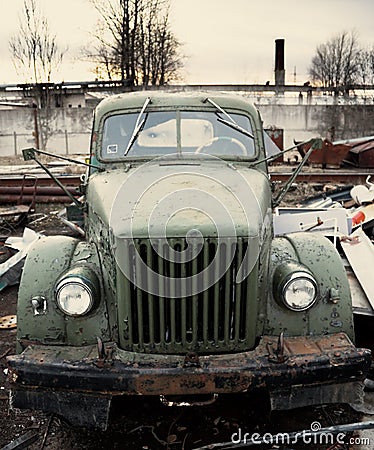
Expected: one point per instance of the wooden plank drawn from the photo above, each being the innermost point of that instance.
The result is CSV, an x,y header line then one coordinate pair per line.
x,y
14,210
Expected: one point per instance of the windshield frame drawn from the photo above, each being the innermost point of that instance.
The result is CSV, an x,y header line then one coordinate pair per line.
x,y
178,154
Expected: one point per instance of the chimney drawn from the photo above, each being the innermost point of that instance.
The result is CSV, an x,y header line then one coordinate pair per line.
x,y
279,62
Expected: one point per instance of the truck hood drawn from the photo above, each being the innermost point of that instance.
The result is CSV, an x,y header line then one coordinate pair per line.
x,y
174,198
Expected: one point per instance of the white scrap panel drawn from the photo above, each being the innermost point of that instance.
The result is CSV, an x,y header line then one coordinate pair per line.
x,y
359,251
334,221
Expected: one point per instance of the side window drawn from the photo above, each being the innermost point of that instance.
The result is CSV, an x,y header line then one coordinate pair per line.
x,y
116,135
239,139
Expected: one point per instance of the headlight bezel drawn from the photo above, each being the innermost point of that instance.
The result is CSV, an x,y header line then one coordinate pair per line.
x,y
289,274
83,278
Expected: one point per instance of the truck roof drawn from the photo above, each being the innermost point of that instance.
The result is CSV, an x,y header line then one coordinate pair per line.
x,y
174,99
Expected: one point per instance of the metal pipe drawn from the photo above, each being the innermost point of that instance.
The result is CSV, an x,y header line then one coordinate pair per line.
x,y
67,180
39,190
27,199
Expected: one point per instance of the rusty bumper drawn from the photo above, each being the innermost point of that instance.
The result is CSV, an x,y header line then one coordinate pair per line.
x,y
272,365
78,383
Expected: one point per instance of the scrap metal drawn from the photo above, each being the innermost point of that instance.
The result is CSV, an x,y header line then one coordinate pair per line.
x,y
360,254
22,441
22,244
354,226
330,154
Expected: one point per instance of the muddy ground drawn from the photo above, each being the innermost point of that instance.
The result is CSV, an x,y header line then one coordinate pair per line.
x,y
145,423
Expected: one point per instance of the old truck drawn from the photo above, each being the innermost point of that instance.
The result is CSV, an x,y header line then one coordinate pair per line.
x,y
180,289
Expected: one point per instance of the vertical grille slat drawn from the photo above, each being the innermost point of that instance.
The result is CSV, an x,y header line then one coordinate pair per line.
x,y
227,297
151,301
246,306
216,298
205,294
182,306
171,301
161,299
139,302
169,318
127,316
238,293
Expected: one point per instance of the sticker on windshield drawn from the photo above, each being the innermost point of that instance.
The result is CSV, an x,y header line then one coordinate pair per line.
x,y
112,148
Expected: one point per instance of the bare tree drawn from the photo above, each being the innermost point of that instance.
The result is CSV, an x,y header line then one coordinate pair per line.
x,y
103,55
36,54
336,62
112,48
160,59
34,48
366,66
134,42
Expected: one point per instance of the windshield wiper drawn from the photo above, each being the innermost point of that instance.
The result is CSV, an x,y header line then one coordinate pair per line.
x,y
138,126
231,122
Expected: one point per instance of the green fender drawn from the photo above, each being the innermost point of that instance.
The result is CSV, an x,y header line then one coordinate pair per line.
x,y
332,312
46,261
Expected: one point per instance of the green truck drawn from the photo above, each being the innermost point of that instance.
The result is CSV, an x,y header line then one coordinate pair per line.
x,y
179,288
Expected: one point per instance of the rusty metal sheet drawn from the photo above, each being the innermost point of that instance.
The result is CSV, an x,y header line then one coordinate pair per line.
x,y
362,155
331,154
365,146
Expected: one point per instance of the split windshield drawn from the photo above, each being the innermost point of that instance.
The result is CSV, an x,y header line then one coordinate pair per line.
x,y
164,132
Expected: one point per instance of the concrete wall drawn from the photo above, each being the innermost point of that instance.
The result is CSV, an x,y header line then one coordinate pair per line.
x,y
300,122
65,130
68,129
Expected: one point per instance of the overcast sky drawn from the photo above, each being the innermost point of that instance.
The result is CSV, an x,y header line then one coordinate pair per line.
x,y
226,41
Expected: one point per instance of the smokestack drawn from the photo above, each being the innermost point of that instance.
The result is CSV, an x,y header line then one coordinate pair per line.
x,y
279,62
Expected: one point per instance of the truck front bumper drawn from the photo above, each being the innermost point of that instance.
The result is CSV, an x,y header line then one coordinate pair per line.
x,y
43,374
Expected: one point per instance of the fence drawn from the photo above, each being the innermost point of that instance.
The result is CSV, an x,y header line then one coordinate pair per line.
x,y
65,130
62,143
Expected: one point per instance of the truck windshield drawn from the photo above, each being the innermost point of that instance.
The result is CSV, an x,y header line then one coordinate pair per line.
x,y
165,132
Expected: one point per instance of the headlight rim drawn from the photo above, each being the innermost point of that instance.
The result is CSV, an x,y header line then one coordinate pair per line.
x,y
84,282
286,271
298,275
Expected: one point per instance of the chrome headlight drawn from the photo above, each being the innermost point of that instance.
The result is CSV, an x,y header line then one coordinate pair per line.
x,y
76,294
300,291
295,288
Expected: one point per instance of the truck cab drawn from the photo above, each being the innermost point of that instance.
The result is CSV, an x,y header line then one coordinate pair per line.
x,y
179,288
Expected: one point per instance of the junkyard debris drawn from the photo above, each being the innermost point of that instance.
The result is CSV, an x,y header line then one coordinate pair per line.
x,y
8,322
360,254
22,244
23,441
353,223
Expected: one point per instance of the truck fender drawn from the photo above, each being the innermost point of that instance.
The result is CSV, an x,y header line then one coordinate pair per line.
x,y
332,311
48,259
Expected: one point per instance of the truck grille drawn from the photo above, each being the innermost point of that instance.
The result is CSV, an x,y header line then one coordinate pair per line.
x,y
220,318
